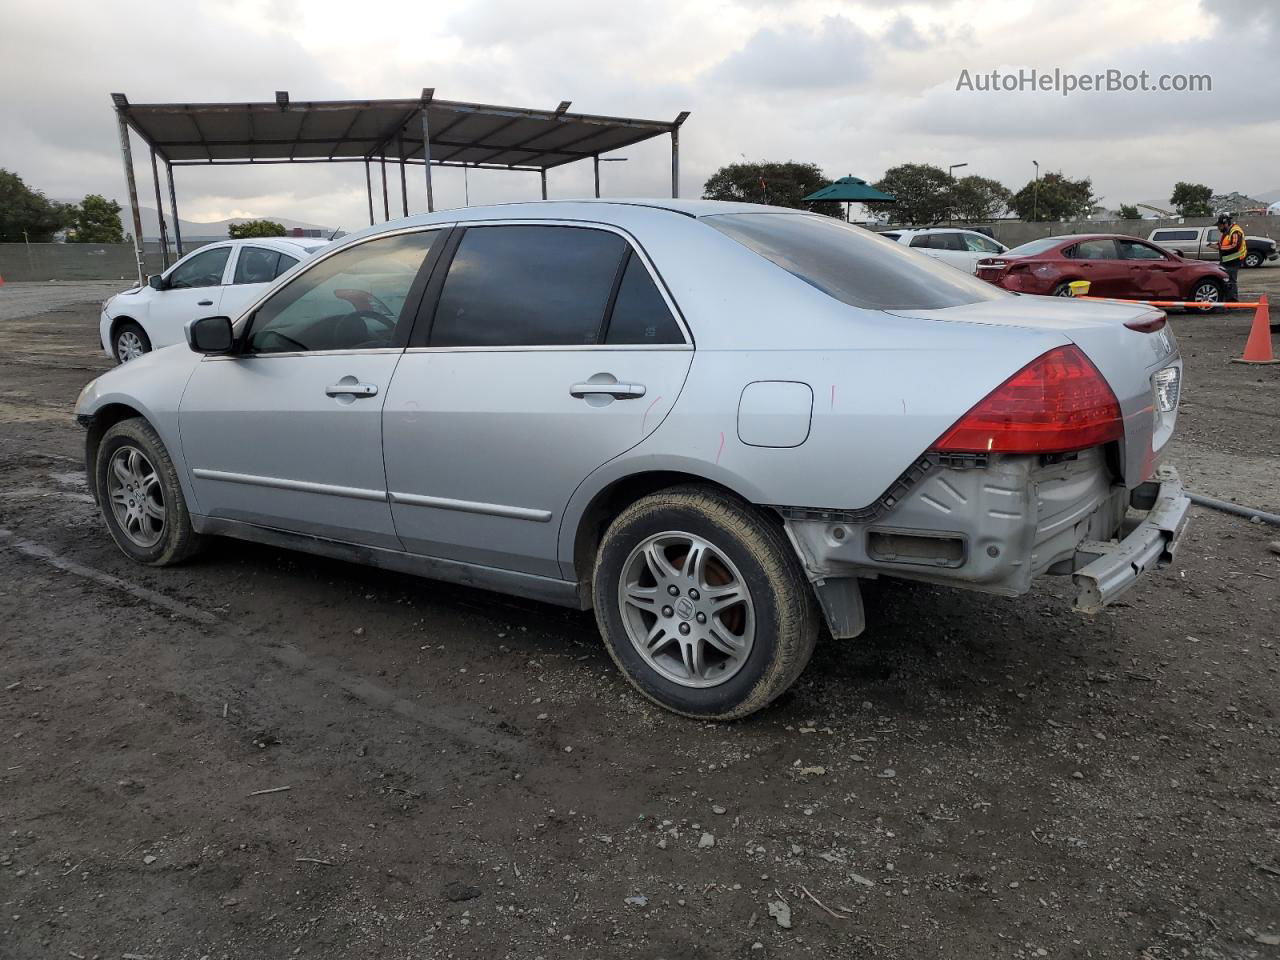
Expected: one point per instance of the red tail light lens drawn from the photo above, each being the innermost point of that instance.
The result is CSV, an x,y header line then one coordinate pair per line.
x,y
1055,404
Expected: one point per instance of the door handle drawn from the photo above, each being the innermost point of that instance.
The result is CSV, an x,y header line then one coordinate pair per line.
x,y
619,391
352,390
204,303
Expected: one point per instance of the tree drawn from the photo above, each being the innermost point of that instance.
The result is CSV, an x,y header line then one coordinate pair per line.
x,y
27,214
255,228
1054,197
770,181
922,190
1192,199
1128,211
978,198
96,220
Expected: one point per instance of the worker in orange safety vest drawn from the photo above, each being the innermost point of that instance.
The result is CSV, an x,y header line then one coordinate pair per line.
x,y
1231,251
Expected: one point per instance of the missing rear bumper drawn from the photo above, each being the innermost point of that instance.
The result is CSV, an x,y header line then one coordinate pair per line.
x,y
1110,568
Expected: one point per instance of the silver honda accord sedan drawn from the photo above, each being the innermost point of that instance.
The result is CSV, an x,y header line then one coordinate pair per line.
x,y
707,421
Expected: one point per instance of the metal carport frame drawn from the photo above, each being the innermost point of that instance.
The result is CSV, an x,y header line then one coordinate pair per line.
x,y
426,132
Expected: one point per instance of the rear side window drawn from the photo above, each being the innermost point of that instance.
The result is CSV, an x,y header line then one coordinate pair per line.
x,y
513,286
1137,250
256,265
1033,247
922,240
640,315
285,263
851,264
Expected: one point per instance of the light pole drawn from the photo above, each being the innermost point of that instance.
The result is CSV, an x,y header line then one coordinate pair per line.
x,y
1035,192
951,174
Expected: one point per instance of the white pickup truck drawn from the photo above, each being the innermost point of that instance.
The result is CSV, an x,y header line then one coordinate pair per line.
x,y
1201,243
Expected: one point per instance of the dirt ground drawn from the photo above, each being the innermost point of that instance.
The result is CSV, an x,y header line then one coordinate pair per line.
x,y
459,774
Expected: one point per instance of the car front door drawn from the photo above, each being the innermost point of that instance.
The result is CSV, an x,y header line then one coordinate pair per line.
x,y
287,431
1153,274
547,351
193,288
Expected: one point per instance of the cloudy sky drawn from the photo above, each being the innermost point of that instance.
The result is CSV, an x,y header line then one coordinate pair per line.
x,y
851,85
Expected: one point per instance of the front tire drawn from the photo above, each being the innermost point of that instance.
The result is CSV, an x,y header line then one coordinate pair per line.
x,y
703,604
141,499
1205,291
130,342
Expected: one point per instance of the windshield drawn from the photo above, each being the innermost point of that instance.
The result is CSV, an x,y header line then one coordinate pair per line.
x,y
1033,247
851,264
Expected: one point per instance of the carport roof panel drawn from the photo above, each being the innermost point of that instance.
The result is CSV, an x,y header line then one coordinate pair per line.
x,y
471,133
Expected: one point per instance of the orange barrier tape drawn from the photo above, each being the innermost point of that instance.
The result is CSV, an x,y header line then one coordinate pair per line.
x,y
1180,303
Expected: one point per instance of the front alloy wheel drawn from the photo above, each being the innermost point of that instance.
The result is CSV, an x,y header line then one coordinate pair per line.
x,y
687,610
1206,292
136,496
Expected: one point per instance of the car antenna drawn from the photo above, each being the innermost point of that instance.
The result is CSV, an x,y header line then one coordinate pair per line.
x,y
336,231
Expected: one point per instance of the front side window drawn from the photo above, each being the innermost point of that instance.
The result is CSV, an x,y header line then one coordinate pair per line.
x,y
205,269
256,265
977,243
512,286
640,315
850,264
1104,249
352,300
1136,250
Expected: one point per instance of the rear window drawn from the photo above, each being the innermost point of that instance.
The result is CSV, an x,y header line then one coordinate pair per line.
x,y
851,264
1032,247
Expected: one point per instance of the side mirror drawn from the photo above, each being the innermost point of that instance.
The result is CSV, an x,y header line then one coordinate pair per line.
x,y
156,282
210,335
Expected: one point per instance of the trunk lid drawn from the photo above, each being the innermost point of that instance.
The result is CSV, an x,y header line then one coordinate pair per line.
x,y
1127,358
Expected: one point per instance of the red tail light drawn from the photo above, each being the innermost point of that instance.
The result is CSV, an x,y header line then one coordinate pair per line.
x,y
1057,403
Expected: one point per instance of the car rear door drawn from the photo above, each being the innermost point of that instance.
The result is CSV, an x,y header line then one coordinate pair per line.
x,y
287,432
542,351
1098,261
252,271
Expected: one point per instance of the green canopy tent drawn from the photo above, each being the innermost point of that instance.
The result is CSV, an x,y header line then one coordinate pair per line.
x,y
849,190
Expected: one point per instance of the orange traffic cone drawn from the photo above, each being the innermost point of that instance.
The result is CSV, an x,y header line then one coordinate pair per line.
x,y
1258,347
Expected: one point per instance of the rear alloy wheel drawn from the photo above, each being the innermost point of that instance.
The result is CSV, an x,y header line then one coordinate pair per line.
x,y
1206,291
1253,260
131,342
140,496
703,604
1063,290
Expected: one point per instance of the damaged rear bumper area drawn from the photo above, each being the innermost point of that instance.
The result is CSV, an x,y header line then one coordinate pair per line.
x,y
1112,567
992,524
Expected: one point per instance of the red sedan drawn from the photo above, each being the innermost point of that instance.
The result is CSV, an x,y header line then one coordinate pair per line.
x,y
1115,266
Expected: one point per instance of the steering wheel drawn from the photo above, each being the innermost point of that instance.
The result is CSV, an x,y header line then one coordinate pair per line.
x,y
387,323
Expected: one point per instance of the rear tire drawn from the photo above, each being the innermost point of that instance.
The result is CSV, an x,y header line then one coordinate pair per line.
x,y
1253,260
703,604
140,497
1063,290
130,342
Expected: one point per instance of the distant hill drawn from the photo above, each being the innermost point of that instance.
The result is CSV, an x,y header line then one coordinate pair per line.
x,y
210,230
201,230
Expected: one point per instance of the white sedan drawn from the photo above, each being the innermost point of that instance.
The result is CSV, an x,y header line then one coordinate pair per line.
x,y
218,278
961,249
